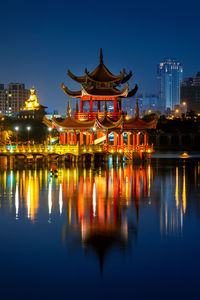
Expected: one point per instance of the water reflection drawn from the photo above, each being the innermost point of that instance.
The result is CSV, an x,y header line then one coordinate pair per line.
x,y
103,209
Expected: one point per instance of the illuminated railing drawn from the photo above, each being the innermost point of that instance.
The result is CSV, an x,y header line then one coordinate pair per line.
x,y
126,148
92,115
73,149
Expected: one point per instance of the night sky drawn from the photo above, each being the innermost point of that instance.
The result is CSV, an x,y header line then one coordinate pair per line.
x,y
41,40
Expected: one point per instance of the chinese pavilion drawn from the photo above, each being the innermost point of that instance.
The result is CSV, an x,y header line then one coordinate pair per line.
x,y
97,86
104,131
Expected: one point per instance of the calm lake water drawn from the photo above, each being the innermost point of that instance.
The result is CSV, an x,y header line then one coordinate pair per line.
x,y
129,232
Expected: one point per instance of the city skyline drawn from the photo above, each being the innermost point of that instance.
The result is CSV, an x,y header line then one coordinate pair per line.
x,y
49,39
169,77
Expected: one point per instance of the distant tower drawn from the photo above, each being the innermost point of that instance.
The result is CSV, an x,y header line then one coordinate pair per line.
x,y
12,98
170,76
190,93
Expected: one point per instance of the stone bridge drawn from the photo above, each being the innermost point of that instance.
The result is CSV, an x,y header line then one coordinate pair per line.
x,y
75,151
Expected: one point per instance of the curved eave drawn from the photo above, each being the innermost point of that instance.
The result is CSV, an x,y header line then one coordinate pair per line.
x,y
79,79
42,106
104,74
126,78
137,123
107,123
71,123
71,93
112,92
47,122
132,92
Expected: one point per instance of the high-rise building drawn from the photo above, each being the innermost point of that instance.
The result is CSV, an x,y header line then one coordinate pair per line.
x,y
170,76
190,93
12,98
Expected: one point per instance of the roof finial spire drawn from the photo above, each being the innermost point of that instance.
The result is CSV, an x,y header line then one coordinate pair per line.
x,y
101,56
68,109
137,110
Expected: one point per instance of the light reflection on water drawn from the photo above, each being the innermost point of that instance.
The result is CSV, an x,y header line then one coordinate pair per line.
x,y
104,210
89,196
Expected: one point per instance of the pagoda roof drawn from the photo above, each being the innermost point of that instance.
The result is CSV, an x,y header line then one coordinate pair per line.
x,y
132,92
101,74
127,77
108,123
79,79
71,123
137,123
47,122
101,92
73,94
93,91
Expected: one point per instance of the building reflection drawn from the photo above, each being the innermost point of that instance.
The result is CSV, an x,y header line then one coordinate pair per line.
x,y
100,208
97,213
172,212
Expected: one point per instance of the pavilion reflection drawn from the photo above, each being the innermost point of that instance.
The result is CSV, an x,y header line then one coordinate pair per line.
x,y
100,200
97,213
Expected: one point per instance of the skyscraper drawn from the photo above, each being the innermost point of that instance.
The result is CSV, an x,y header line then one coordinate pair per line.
x,y
190,92
12,98
170,76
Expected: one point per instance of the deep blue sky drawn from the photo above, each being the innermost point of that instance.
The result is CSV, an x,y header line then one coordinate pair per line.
x,y
40,40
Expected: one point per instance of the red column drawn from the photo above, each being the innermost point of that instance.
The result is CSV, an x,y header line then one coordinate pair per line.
x,y
90,138
91,106
81,138
134,139
138,139
145,139
107,139
68,138
99,105
115,105
81,106
61,138
87,138
74,137
64,140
